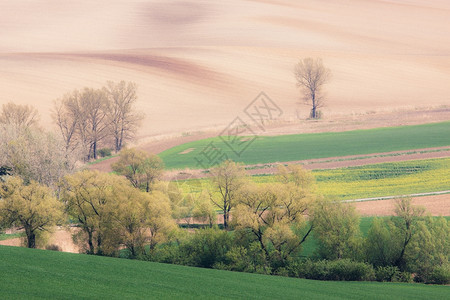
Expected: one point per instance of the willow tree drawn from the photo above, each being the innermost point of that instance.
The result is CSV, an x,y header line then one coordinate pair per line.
x,y
112,213
275,215
31,207
226,181
139,167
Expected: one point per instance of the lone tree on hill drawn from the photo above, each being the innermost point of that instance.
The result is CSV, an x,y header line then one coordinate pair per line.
x,y
311,75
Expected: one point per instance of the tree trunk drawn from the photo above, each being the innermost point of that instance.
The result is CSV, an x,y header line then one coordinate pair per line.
x,y
225,219
314,107
95,150
31,238
90,243
99,245
118,146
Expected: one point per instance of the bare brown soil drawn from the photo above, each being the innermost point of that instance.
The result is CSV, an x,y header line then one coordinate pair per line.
x,y
199,64
187,151
438,205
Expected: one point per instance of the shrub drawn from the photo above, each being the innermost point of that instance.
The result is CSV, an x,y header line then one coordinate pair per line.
x,y
166,253
318,114
391,274
53,247
440,275
249,259
343,269
105,152
206,247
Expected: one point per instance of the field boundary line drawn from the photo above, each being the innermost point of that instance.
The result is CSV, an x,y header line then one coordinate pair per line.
x,y
398,196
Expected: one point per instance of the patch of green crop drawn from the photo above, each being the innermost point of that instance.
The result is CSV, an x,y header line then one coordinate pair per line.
x,y
378,180
284,148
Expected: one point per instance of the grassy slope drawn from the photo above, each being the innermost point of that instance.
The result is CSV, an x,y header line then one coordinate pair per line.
x,y
267,149
29,274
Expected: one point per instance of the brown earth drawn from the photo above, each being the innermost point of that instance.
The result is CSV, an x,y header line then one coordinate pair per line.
x,y
199,64
438,205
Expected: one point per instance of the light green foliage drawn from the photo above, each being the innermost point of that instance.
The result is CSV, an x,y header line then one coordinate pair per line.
x,y
226,181
336,227
112,213
139,167
378,246
274,215
206,247
430,249
32,207
204,210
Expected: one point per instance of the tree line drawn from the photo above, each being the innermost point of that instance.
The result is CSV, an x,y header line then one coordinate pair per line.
x,y
265,232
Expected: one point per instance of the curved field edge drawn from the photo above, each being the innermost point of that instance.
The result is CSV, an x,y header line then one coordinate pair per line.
x,y
34,274
269,149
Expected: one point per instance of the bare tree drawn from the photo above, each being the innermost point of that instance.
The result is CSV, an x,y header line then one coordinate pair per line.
x,y
94,122
91,117
311,75
20,115
123,119
66,114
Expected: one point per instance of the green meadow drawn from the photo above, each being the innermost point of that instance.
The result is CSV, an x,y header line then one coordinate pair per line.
x,y
283,148
38,274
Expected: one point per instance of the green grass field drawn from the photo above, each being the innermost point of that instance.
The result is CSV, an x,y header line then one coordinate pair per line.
x,y
38,274
267,149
